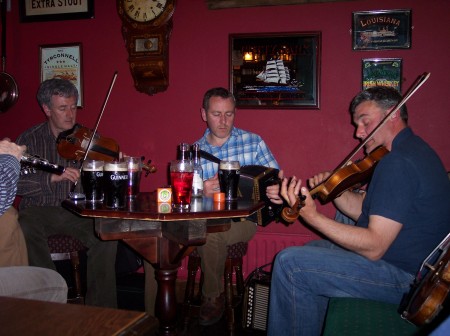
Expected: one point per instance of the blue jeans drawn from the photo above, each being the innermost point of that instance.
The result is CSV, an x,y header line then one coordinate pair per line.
x,y
305,277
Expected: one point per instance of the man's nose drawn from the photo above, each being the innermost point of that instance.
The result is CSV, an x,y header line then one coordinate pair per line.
x,y
360,132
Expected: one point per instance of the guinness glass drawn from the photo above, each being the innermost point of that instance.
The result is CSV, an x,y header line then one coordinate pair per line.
x,y
229,173
115,184
92,180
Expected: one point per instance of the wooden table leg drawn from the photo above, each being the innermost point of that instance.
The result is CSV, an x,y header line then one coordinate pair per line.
x,y
166,301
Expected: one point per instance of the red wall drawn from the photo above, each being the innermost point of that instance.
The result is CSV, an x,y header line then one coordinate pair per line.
x,y
304,141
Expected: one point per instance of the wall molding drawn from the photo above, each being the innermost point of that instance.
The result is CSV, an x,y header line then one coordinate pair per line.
x,y
223,4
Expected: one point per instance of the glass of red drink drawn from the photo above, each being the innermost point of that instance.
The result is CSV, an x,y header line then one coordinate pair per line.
x,y
181,176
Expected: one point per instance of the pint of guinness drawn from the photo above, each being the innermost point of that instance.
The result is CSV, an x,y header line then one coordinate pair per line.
x,y
92,180
115,184
229,173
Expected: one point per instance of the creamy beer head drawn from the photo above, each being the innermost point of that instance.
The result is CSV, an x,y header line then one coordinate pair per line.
x,y
115,166
229,165
93,165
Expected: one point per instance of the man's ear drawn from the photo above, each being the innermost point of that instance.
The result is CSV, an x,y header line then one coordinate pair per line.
x,y
203,114
394,115
46,110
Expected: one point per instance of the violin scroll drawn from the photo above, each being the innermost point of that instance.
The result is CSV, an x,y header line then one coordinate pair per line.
x,y
149,168
290,214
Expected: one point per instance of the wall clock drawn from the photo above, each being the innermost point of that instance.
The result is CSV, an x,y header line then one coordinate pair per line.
x,y
146,29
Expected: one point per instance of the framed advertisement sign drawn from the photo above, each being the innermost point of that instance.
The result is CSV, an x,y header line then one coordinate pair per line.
x,y
63,61
275,70
38,11
383,29
382,72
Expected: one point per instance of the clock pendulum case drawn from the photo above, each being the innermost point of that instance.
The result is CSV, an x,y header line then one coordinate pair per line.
x,y
146,29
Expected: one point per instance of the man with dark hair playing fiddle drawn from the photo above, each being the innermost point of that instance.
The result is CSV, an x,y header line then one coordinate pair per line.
x,y
40,211
401,217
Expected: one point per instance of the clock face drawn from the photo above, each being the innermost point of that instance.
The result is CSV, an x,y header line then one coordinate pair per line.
x,y
144,10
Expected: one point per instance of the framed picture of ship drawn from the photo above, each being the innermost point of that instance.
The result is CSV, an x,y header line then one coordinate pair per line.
x,y
275,70
382,72
383,29
63,61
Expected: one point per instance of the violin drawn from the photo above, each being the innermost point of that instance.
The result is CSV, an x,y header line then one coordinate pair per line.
x,y
72,145
349,175
341,180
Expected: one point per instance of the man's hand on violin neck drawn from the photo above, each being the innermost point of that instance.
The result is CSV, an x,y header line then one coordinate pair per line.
x,y
290,189
318,179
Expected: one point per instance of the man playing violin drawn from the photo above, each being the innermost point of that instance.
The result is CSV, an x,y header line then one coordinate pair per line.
x,y
401,217
40,211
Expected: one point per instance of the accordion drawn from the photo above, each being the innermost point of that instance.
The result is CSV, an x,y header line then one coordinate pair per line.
x,y
255,306
252,185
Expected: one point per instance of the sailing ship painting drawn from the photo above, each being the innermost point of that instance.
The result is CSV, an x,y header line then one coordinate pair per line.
x,y
275,69
276,77
275,72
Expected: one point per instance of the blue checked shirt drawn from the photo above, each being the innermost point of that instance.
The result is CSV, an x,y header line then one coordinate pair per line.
x,y
246,147
9,174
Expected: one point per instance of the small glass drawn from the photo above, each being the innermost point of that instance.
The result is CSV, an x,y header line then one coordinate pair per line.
x,y
134,166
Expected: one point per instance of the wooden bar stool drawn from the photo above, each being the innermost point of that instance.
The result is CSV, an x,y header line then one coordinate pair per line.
x,y
233,299
65,247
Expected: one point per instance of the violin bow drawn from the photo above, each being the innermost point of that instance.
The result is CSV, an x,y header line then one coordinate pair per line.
x,y
100,116
416,85
71,194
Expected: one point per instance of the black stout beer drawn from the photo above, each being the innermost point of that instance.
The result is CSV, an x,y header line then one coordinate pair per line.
x,y
92,180
115,183
229,173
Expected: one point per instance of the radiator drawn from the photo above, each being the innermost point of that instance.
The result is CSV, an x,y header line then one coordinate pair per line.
x,y
261,250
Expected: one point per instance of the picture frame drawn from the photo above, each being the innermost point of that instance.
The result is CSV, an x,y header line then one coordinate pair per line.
x,y
382,72
63,61
39,11
275,70
382,29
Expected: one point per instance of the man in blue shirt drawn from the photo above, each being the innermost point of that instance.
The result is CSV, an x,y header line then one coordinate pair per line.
x,y
226,142
403,215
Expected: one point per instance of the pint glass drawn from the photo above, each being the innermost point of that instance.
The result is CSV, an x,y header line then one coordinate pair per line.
x,y
92,180
181,176
134,166
115,184
229,173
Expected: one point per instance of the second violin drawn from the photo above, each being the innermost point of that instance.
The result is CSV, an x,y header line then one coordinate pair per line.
x,y
72,145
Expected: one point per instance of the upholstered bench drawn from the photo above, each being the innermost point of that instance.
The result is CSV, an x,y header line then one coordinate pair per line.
x,y
356,317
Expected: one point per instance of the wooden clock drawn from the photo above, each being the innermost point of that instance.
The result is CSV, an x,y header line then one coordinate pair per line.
x,y
146,28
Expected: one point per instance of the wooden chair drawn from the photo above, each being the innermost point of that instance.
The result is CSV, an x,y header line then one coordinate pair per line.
x,y
65,247
233,298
